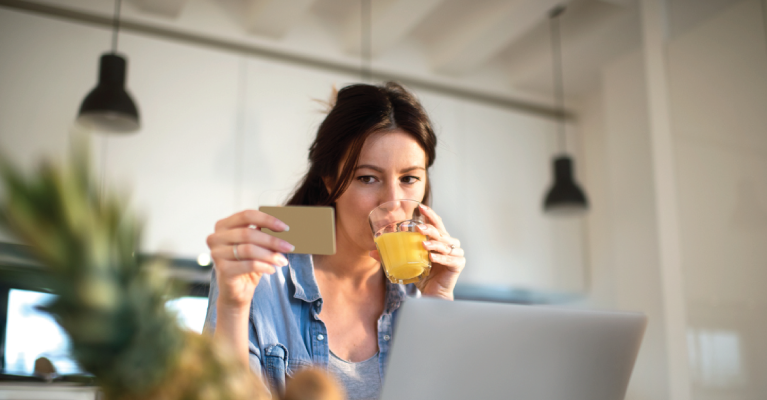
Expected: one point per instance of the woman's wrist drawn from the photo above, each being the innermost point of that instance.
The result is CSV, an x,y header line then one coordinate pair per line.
x,y
440,294
232,328
440,287
231,311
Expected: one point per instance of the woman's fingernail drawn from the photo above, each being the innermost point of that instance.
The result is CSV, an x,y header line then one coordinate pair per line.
x,y
426,243
285,246
282,261
423,206
422,227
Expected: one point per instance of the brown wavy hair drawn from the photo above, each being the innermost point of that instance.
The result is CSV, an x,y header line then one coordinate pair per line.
x,y
359,111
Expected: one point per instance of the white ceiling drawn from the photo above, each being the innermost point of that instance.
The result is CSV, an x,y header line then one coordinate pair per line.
x,y
499,47
502,44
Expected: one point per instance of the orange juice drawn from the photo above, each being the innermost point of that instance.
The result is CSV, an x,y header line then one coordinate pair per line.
x,y
405,260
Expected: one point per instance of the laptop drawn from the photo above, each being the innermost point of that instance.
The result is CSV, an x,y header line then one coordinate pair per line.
x,y
475,350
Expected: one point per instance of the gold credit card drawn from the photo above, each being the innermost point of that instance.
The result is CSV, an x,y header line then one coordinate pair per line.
x,y
312,228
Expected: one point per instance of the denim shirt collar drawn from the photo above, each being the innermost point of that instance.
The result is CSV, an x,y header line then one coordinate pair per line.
x,y
301,267
395,295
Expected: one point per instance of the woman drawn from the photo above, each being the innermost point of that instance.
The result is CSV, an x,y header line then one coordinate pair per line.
x,y
283,313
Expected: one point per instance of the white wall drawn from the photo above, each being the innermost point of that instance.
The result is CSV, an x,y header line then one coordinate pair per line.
x,y
222,131
717,72
622,230
718,95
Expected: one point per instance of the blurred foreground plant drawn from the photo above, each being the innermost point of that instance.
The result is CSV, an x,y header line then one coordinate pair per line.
x,y
110,302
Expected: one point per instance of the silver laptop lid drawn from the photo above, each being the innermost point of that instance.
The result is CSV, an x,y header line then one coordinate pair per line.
x,y
474,350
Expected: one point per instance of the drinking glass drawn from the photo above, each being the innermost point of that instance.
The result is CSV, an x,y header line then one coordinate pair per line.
x,y
403,257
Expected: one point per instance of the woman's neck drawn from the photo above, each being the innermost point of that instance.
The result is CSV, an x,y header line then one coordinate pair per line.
x,y
350,263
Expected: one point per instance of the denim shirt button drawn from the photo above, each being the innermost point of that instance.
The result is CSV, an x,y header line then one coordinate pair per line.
x,y
387,337
320,337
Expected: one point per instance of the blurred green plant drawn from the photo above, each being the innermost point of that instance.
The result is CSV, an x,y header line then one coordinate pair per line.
x,y
111,302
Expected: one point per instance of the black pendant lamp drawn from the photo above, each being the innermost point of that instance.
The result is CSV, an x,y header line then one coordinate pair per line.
x,y
108,107
565,197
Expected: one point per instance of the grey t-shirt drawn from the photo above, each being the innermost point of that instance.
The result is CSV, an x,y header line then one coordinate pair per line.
x,y
361,380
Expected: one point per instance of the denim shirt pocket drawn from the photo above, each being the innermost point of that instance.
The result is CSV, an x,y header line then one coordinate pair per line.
x,y
276,366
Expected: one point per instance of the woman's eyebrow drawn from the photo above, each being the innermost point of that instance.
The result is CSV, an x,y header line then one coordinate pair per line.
x,y
408,169
368,166
380,170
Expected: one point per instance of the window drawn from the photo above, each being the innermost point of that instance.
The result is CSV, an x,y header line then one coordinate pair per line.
x,y
31,333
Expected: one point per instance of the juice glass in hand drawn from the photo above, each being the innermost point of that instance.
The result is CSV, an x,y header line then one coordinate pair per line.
x,y
403,257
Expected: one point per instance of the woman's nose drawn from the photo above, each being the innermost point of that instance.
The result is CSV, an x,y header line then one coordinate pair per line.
x,y
392,192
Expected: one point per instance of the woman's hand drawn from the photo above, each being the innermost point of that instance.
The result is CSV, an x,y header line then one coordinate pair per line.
x,y
242,254
446,254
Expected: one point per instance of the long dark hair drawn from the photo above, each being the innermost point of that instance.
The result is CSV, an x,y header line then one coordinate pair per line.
x,y
359,111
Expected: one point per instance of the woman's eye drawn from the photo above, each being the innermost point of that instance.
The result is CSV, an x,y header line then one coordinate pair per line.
x,y
410,179
366,179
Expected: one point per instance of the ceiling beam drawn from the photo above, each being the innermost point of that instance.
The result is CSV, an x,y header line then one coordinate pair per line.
x,y
165,8
622,3
389,25
488,32
272,18
589,36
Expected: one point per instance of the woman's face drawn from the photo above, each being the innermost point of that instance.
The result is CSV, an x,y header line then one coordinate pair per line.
x,y
392,166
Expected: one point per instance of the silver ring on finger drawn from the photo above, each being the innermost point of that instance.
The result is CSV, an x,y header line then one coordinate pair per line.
x,y
234,251
452,247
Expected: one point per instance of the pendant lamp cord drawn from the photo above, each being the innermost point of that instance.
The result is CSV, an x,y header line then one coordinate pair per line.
x,y
366,37
559,90
116,26
764,19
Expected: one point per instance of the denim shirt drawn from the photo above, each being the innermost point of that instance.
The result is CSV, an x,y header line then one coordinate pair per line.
x,y
285,330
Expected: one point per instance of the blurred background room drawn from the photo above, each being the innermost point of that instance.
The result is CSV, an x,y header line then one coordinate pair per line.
x,y
663,112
